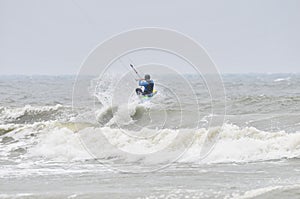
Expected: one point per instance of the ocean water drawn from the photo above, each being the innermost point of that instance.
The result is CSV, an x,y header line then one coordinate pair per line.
x,y
111,145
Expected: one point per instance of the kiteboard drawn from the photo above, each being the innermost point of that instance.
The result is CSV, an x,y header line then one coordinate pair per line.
x,y
148,97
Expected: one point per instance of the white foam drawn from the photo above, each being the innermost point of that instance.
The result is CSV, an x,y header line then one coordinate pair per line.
x,y
23,136
123,114
261,191
14,113
60,144
248,144
282,79
234,144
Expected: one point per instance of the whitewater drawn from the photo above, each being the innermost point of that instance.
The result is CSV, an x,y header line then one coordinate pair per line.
x,y
163,148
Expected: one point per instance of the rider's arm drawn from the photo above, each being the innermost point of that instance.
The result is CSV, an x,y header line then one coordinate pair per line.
x,y
143,83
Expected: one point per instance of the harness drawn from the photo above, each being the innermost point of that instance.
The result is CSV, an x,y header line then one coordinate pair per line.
x,y
149,88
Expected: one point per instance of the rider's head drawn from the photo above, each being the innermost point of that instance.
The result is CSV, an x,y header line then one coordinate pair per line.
x,y
147,77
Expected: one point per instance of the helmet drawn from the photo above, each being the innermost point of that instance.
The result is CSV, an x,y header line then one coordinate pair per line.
x,y
147,77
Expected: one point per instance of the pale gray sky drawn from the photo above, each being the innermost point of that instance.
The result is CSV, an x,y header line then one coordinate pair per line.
x,y
54,36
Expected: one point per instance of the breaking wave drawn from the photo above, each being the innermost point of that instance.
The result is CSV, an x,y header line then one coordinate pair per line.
x,y
56,141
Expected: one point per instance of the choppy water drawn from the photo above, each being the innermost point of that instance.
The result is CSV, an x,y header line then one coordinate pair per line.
x,y
49,150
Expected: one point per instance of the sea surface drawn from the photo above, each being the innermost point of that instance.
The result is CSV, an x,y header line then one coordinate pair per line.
x,y
112,144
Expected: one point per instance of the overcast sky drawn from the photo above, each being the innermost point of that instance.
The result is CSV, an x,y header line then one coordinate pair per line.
x,y
54,36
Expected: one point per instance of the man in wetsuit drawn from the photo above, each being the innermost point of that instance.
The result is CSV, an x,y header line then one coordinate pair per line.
x,y
148,85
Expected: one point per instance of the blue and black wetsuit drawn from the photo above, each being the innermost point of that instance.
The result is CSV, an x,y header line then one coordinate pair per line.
x,y
148,87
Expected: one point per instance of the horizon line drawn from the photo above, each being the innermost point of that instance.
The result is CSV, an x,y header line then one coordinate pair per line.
x,y
222,73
